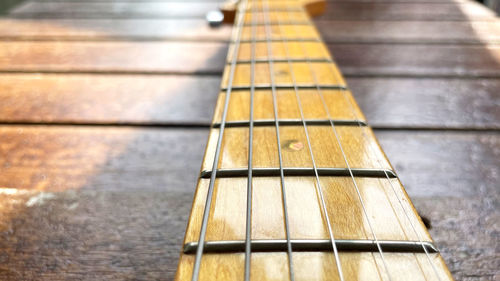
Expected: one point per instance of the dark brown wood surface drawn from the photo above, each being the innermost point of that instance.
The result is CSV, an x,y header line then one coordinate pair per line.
x,y
335,10
105,106
208,57
112,29
187,100
333,31
108,9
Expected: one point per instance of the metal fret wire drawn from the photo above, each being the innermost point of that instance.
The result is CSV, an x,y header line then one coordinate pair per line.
x,y
208,203
318,185
282,176
405,211
248,242
348,166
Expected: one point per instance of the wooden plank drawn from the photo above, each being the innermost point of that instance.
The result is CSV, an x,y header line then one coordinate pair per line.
x,y
466,11
120,151
414,32
433,103
417,60
133,99
111,29
137,200
452,179
145,57
62,158
387,102
478,32
358,1
113,9
335,10
204,57
7,4
437,156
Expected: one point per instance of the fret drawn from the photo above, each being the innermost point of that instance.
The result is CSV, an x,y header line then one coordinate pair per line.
x,y
277,33
282,75
338,102
278,23
362,152
227,218
283,16
291,122
287,87
294,172
273,6
280,40
294,50
313,245
315,266
278,60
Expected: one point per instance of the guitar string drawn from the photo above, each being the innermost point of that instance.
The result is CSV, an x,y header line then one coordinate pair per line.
x,y
318,89
405,211
208,202
318,183
248,244
276,122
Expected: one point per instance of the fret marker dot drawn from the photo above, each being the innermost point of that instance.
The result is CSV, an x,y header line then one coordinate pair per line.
x,y
293,145
282,73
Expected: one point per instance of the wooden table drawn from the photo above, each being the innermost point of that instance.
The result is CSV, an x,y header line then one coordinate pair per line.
x,y
105,107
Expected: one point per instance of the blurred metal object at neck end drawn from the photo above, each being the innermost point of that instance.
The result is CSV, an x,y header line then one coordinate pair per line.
x,y
215,18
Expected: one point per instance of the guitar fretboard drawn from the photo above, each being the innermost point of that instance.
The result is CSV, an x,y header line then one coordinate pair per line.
x,y
294,185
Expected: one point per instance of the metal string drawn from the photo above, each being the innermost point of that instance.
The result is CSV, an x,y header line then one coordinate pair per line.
x,y
208,203
248,242
318,88
405,211
276,122
412,226
318,185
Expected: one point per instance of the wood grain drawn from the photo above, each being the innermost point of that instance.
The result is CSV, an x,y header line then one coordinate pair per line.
x,y
464,11
358,144
428,103
335,10
103,57
111,29
64,158
128,207
227,218
319,266
387,102
414,32
196,29
111,9
339,105
92,260
145,57
125,99
408,60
